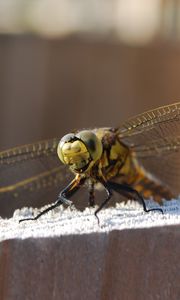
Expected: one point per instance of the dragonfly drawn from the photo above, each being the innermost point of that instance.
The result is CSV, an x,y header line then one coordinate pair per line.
x,y
138,160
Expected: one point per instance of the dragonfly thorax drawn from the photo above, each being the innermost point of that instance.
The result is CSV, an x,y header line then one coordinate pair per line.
x,y
80,151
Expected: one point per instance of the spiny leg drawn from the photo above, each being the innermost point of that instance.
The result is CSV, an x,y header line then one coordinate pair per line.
x,y
109,195
129,192
68,192
91,194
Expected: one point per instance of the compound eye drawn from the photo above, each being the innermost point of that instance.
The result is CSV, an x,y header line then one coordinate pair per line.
x,y
92,143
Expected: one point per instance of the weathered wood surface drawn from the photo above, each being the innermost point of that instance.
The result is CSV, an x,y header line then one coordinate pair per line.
x,y
66,255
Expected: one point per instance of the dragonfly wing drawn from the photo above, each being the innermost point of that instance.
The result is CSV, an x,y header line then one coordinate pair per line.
x,y
31,172
155,138
29,152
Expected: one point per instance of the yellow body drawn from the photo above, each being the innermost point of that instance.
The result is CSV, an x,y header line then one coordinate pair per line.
x,y
126,169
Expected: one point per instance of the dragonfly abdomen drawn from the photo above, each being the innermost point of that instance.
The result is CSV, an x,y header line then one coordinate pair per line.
x,y
152,188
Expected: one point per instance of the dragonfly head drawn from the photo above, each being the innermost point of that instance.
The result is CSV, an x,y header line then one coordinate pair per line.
x,y
80,151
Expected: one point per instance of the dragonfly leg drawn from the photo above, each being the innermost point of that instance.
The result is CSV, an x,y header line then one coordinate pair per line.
x,y
129,192
68,192
109,195
91,194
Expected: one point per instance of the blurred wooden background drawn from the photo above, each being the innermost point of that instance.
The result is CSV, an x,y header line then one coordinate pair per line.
x,y
49,87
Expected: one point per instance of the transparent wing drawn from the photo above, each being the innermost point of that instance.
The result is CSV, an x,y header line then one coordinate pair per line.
x,y
31,174
155,138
